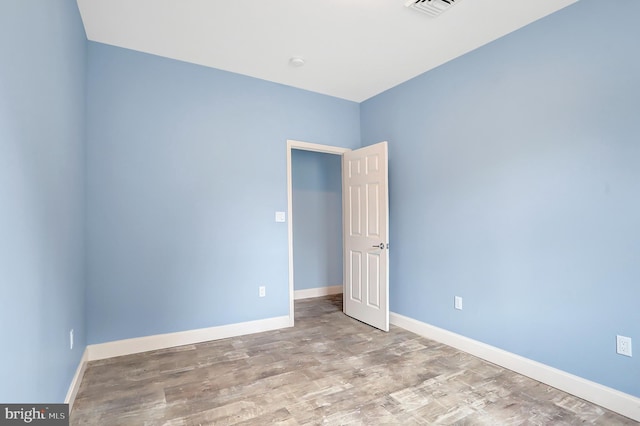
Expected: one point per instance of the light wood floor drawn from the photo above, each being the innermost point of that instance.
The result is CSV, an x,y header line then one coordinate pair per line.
x,y
328,369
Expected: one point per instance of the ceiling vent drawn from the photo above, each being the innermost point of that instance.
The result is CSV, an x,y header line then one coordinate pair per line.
x,y
432,8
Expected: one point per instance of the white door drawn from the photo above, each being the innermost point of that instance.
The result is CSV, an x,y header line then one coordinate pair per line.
x,y
366,235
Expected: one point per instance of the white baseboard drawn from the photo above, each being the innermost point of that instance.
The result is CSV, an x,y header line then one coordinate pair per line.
x,y
169,340
317,292
77,379
620,402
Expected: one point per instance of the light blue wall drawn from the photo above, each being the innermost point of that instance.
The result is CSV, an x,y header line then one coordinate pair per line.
x,y
42,99
317,219
515,183
186,169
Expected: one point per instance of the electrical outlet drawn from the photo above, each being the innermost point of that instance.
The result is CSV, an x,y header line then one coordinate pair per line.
x,y
457,302
623,345
262,291
71,339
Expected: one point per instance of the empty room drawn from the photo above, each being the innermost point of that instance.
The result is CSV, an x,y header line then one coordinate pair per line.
x,y
333,212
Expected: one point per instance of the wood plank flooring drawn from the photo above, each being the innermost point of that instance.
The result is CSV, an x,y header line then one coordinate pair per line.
x,y
327,370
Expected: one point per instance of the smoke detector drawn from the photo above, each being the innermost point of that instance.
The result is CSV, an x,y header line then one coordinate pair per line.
x,y
296,61
432,8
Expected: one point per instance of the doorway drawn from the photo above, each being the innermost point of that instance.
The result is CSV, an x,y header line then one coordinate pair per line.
x,y
303,146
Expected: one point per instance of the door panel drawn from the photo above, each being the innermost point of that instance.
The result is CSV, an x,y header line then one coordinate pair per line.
x,y
366,224
374,280
356,276
354,215
373,208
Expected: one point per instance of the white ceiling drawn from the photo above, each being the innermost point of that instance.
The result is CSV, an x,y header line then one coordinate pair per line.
x,y
354,49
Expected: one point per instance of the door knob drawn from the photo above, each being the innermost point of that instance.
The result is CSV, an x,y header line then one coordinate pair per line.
x,y
380,246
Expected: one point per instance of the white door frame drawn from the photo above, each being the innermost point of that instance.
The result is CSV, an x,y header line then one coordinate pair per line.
x,y
304,146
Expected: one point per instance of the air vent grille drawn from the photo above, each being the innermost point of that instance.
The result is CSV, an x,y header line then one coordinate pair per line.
x,y
432,8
